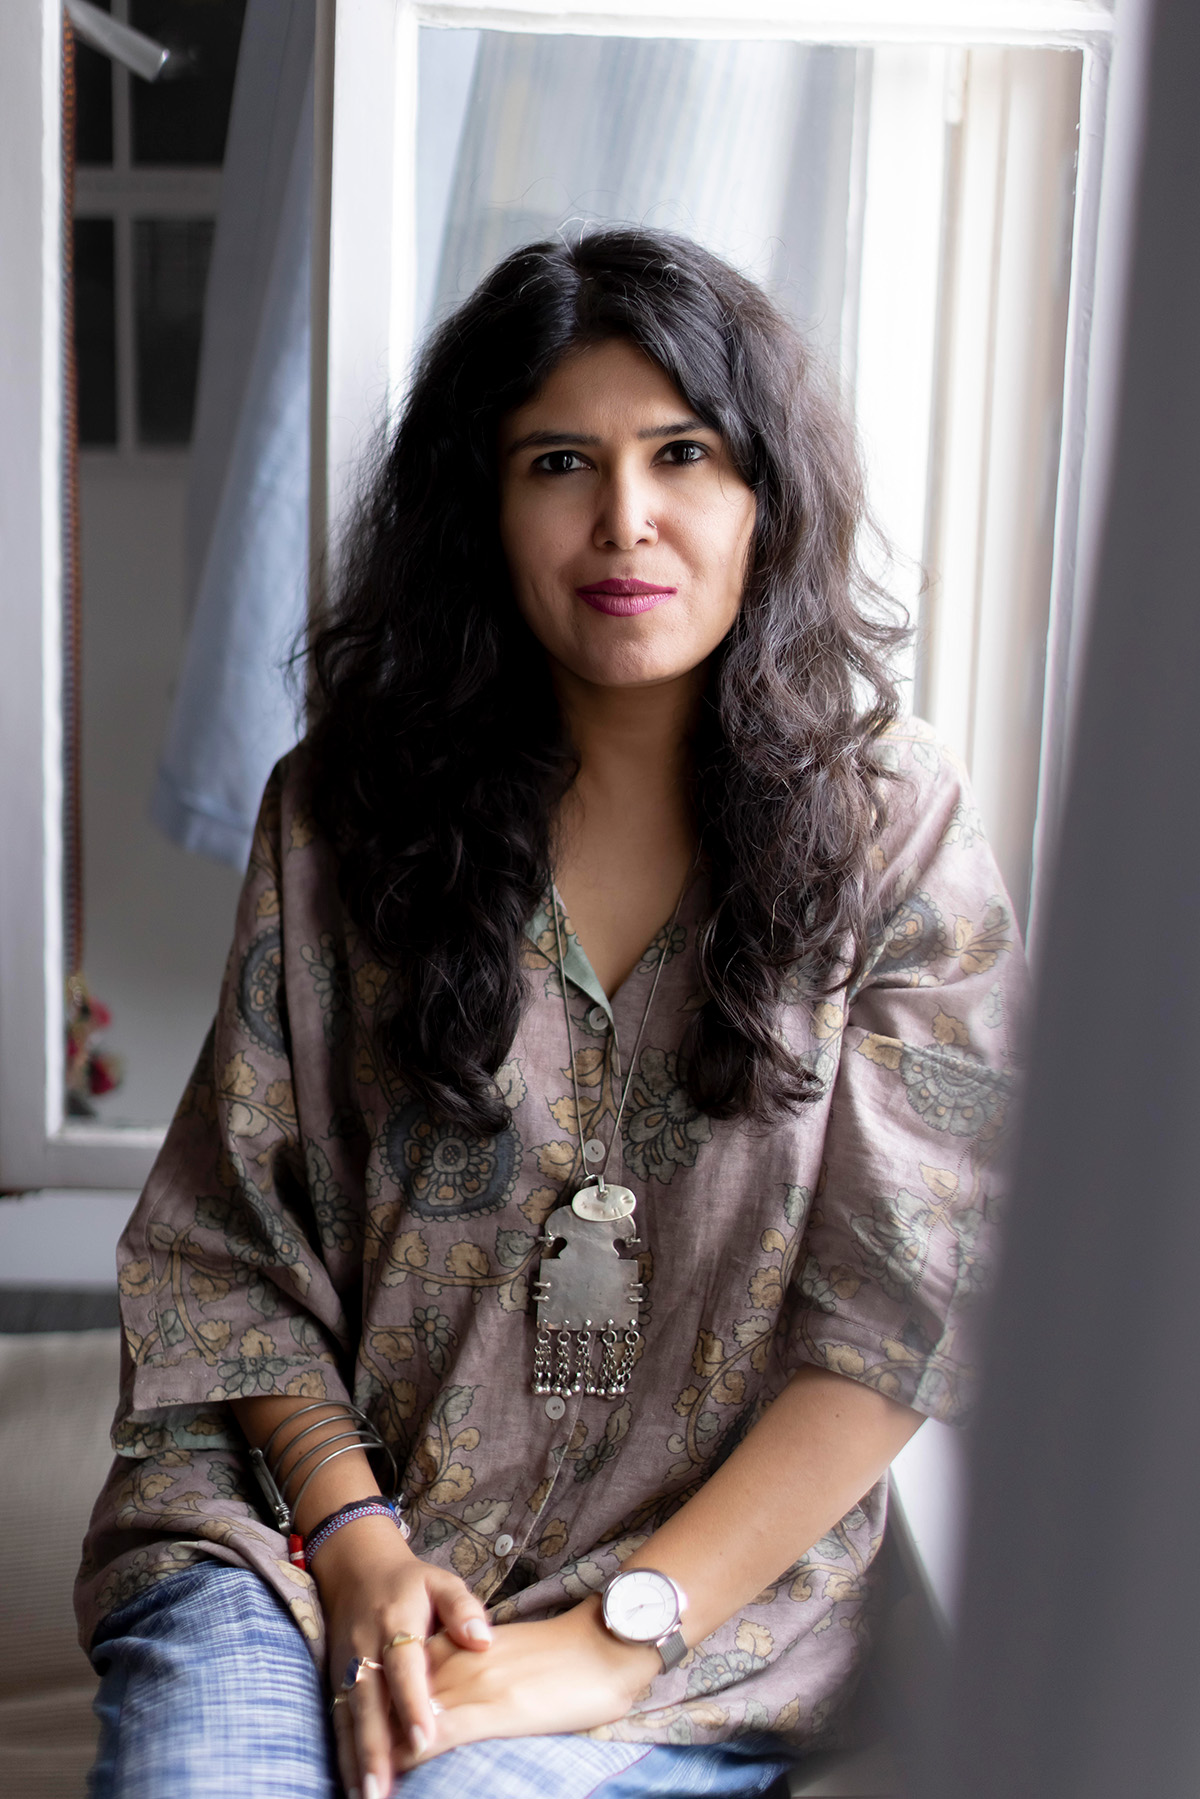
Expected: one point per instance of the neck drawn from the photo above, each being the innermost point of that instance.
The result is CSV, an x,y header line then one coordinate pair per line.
x,y
633,745
625,833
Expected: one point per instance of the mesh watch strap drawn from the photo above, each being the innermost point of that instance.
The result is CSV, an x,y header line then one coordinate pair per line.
x,y
672,1648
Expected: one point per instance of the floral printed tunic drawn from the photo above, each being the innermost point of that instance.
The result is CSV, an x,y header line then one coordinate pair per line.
x,y
308,1229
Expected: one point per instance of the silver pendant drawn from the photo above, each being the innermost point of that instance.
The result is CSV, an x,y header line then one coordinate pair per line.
x,y
588,1291
603,1205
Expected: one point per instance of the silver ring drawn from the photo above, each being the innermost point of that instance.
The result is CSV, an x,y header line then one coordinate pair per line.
x,y
356,1667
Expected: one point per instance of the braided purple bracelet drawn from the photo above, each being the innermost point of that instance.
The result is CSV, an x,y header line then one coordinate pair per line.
x,y
363,1508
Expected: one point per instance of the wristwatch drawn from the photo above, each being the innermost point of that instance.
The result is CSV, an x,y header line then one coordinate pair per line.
x,y
640,1605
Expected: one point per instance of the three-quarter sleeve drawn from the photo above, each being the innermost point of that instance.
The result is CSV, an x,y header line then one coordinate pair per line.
x,y
225,1291
894,1245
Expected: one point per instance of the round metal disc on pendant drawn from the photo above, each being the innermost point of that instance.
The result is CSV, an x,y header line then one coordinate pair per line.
x,y
555,1406
603,1207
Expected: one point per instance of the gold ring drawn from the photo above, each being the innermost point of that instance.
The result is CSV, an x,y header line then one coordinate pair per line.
x,y
401,1640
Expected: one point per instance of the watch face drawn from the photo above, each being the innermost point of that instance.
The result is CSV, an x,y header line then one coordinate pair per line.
x,y
641,1605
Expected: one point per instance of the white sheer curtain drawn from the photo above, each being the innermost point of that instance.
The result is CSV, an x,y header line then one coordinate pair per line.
x,y
744,146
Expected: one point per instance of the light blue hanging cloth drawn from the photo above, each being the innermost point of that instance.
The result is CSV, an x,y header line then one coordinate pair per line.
x,y
236,707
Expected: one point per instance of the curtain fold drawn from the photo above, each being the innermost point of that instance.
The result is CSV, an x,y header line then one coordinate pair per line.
x,y
235,710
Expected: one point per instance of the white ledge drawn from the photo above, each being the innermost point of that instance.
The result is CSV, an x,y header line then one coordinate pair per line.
x,y
1028,22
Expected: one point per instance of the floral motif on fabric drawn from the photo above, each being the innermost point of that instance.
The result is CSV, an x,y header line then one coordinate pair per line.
x,y
914,936
260,992
663,1130
308,1230
952,1093
449,1173
330,977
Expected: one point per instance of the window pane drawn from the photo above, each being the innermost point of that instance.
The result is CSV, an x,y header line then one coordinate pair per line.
x,y
170,271
743,146
93,102
95,331
183,116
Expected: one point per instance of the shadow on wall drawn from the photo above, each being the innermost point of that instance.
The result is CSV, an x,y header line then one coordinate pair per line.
x,y
1075,1671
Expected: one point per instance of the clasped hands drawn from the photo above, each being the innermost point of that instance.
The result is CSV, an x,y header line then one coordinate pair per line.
x,y
469,1679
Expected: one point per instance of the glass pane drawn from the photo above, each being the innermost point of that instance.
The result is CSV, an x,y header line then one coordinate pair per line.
x,y
170,262
93,102
743,146
183,116
96,331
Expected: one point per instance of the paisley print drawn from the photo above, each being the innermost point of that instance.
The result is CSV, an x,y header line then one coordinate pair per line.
x,y
447,1172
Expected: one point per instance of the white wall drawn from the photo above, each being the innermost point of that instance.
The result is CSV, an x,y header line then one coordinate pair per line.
x,y
157,920
62,1239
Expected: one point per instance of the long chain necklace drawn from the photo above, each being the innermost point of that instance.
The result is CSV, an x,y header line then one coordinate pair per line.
x,y
588,1288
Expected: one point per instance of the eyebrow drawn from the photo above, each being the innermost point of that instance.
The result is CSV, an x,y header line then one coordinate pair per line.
x,y
547,439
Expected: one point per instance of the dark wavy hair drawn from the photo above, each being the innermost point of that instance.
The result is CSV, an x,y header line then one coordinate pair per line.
x,y
438,752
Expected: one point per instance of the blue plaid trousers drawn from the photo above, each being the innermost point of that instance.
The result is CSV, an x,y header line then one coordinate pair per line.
x,y
207,1691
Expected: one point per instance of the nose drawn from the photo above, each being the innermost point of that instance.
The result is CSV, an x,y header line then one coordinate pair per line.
x,y
623,517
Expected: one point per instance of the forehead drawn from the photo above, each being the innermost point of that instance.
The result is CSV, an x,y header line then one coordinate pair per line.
x,y
603,389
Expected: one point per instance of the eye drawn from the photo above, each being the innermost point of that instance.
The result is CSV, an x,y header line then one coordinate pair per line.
x,y
559,462
683,452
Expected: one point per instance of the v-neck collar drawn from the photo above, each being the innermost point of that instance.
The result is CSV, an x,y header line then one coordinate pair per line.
x,y
576,965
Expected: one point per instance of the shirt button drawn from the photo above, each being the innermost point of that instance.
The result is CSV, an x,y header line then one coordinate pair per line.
x,y
504,1544
596,1019
555,1406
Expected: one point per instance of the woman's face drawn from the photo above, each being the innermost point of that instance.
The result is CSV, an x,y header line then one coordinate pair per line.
x,y
626,526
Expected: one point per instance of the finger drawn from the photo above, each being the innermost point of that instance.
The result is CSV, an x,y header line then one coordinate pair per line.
x,y
460,1724
372,1735
463,1616
343,1736
408,1682
438,1649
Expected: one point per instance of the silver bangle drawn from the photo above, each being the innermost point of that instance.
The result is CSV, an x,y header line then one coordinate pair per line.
x,y
332,1456
336,1411
325,1443
318,1424
318,1405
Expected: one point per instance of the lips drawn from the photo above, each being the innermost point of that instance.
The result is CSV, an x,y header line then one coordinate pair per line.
x,y
624,598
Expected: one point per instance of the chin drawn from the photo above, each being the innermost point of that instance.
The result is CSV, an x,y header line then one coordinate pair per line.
x,y
630,671
646,660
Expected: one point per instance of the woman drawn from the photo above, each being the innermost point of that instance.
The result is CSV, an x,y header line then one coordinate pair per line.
x,y
605,912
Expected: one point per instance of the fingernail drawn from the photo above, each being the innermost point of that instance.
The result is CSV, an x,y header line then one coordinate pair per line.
x,y
478,1630
435,1708
370,1787
420,1742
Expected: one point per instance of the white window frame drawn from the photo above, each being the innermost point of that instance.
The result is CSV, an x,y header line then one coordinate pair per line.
x,y
122,190
950,441
363,329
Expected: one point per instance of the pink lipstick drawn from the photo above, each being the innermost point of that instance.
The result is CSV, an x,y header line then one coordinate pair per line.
x,y
622,599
